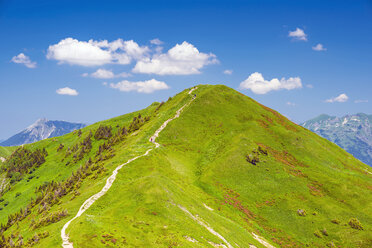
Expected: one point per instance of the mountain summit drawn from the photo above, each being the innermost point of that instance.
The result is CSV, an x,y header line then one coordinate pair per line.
x,y
351,132
41,129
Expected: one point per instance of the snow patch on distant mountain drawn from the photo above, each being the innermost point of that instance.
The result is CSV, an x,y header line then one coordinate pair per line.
x,y
351,132
42,129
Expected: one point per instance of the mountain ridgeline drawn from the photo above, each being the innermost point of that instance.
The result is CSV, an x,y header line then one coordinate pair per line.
x,y
351,132
229,172
41,129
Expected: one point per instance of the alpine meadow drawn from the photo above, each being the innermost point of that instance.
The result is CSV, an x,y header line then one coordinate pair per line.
x,y
229,172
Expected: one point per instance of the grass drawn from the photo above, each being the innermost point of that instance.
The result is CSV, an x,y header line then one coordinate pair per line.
x,y
202,160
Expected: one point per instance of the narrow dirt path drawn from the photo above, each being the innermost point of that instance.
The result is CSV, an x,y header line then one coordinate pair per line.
x,y
65,239
262,241
201,222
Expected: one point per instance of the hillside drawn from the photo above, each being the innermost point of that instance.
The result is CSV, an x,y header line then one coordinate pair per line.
x,y
41,129
229,172
351,132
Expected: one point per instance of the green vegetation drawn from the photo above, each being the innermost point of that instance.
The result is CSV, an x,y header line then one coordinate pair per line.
x,y
239,166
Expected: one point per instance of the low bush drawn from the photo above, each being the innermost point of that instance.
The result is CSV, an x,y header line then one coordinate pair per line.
x,y
301,212
335,221
355,223
318,234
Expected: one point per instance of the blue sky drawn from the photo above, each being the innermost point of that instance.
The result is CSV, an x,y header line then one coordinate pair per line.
x,y
268,46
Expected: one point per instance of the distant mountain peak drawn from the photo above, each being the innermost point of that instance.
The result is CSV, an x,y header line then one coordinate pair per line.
x,y
352,132
42,129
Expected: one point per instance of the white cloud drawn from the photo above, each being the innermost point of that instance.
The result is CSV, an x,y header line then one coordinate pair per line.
x,y
148,86
310,86
341,98
182,59
156,42
24,59
67,91
95,53
361,101
102,73
291,104
228,72
258,85
319,47
105,74
298,34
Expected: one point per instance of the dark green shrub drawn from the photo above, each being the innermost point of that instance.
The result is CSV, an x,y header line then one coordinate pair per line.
x,y
103,132
355,223
331,244
253,159
18,194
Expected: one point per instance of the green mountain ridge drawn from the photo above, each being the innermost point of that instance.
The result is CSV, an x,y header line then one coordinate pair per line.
x,y
351,132
227,164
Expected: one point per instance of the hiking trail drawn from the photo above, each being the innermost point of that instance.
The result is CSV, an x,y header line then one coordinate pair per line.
x,y
86,205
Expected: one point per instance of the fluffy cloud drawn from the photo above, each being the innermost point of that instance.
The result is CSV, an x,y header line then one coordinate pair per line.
x,y
319,47
298,34
148,86
341,98
67,91
156,42
23,59
95,53
228,72
105,74
182,59
258,85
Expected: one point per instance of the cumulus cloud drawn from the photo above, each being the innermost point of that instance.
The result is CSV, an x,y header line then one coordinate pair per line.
x,y
182,59
298,34
148,86
319,47
228,72
258,85
156,42
24,59
105,74
341,98
67,91
96,53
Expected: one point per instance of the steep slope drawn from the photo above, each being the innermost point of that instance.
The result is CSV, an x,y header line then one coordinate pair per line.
x,y
229,172
351,132
41,129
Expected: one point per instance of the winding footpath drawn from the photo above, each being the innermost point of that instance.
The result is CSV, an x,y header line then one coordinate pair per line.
x,y
86,205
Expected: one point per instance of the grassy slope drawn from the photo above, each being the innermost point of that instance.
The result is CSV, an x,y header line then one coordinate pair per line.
x,y
202,161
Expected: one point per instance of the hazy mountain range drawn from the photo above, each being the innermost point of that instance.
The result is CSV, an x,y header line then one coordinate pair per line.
x,y
41,129
351,132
